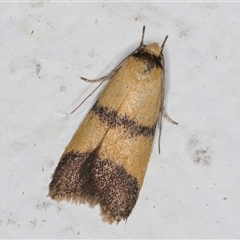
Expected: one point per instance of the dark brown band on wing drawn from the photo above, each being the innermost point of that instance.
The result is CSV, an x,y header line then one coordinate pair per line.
x,y
130,126
85,177
149,59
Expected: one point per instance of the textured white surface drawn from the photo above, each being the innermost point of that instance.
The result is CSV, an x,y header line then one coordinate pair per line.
x,y
191,190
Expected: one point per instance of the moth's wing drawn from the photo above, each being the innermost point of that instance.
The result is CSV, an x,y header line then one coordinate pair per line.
x,y
126,148
106,159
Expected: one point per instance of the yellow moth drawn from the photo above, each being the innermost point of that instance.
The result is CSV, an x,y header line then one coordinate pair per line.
x,y
106,160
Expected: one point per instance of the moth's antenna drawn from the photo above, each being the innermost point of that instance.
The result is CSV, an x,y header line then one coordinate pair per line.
x,y
163,44
143,32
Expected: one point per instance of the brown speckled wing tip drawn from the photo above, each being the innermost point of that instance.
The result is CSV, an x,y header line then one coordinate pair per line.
x,y
87,178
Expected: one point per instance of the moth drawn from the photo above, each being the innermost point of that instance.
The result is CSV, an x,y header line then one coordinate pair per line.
x,y
106,160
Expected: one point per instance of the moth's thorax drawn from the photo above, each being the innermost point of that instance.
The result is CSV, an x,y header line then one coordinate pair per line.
x,y
153,48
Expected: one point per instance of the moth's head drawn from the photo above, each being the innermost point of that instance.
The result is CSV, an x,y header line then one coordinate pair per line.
x,y
153,49
151,54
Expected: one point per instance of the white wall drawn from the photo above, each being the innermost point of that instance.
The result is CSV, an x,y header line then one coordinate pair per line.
x,y
191,190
